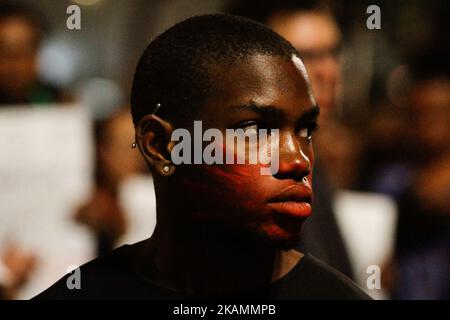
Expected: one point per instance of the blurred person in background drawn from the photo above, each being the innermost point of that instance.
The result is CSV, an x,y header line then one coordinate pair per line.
x,y
423,237
388,157
21,33
312,29
115,161
343,153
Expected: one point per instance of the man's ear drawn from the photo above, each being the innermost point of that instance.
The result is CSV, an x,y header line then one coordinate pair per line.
x,y
153,137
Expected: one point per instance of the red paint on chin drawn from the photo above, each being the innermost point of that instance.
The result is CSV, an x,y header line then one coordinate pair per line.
x,y
284,229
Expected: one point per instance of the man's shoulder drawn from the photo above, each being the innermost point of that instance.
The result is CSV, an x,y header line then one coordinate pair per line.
x,y
318,280
97,278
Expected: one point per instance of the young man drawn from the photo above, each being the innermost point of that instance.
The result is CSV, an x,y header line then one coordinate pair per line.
x,y
310,26
223,230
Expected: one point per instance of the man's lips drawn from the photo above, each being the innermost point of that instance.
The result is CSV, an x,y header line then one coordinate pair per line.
x,y
293,201
293,208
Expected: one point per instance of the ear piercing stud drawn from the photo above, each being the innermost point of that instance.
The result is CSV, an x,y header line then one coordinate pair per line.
x,y
158,105
167,169
134,145
305,179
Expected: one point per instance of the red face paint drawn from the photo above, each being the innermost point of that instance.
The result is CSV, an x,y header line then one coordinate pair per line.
x,y
237,194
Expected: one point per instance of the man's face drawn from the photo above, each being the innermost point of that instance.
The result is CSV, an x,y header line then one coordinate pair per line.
x,y
260,92
317,38
17,55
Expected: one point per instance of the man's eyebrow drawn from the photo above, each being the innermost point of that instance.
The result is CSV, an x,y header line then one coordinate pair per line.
x,y
310,114
269,110
261,109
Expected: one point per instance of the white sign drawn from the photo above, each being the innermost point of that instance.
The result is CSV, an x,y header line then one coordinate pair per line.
x,y
45,173
368,223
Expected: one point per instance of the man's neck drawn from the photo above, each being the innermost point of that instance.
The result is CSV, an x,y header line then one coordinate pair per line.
x,y
195,262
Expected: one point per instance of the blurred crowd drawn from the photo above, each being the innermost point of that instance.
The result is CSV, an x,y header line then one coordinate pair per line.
x,y
391,138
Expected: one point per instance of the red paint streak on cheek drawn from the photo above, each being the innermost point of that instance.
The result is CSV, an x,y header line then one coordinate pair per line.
x,y
230,182
226,186
232,175
221,180
229,191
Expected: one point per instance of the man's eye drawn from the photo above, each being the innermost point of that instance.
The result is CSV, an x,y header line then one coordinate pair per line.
x,y
306,133
250,128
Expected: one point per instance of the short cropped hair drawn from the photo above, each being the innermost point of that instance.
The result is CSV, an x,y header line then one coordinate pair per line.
x,y
176,70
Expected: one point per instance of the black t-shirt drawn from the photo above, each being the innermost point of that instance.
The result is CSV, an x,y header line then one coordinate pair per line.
x,y
113,277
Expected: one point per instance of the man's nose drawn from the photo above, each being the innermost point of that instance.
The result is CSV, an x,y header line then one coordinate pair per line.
x,y
295,162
